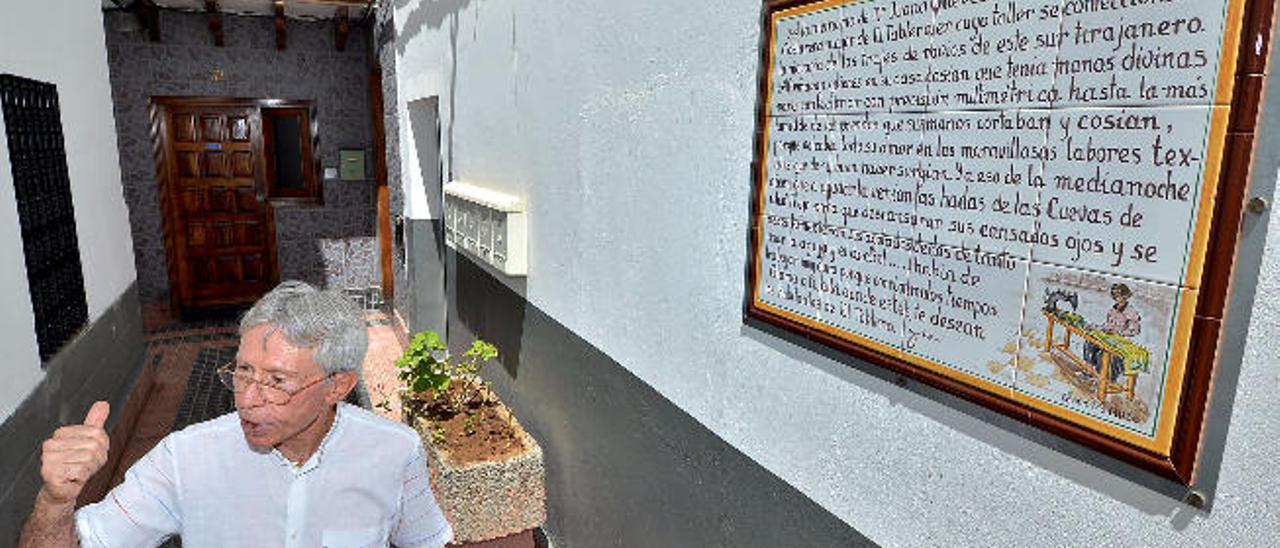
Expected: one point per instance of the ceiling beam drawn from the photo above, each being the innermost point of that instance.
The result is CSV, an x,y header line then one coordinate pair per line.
x,y
342,26
281,32
149,16
348,3
215,22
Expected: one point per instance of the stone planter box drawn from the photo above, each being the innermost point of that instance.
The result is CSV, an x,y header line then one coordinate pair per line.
x,y
490,500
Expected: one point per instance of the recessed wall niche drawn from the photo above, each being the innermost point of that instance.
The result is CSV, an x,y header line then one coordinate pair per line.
x,y
42,189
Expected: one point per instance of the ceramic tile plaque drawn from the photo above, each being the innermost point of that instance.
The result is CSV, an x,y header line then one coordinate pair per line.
x,y
1033,205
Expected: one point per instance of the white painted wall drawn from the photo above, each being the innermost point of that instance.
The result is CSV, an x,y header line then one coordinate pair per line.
x,y
61,41
627,126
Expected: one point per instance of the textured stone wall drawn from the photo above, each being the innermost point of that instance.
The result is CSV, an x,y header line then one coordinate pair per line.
x,y
334,245
384,36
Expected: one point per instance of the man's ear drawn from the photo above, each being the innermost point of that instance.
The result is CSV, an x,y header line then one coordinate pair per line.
x,y
341,386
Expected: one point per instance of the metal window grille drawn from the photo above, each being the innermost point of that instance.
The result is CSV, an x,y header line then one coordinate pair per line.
x,y
38,161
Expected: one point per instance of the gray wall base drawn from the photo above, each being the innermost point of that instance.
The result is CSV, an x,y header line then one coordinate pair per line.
x,y
102,363
625,466
424,298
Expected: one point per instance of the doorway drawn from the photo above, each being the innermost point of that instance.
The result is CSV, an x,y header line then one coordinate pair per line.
x,y
214,180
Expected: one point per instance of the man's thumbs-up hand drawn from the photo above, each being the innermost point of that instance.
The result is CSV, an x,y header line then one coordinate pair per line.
x,y
73,454
97,416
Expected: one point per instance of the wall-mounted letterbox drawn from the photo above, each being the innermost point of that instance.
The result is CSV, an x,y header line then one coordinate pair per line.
x,y
486,224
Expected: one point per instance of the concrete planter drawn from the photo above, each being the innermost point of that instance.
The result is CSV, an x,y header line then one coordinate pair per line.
x,y
491,502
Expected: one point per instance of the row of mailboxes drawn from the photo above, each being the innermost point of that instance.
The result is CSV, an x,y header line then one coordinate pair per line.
x,y
488,225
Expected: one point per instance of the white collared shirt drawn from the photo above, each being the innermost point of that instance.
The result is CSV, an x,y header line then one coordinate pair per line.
x,y
366,485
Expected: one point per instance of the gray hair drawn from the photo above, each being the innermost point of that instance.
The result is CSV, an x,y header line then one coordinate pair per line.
x,y
325,321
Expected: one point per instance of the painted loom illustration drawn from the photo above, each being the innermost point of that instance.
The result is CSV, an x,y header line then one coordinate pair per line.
x,y
1095,344
1107,353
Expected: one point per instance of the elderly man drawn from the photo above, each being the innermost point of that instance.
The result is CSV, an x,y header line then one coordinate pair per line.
x,y
293,466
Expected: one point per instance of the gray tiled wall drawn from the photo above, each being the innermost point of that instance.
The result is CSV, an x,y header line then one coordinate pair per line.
x,y
384,40
624,465
334,245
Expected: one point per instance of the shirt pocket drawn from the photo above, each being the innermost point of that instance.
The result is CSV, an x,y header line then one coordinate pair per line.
x,y
359,537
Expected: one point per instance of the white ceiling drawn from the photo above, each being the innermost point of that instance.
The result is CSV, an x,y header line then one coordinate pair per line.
x,y
298,9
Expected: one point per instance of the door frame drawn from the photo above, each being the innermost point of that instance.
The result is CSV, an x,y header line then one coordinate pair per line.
x,y
158,108
386,252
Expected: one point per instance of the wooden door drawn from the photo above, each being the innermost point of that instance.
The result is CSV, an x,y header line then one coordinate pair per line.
x,y
219,231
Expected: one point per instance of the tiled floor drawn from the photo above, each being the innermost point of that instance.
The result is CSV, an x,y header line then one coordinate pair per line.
x,y
175,350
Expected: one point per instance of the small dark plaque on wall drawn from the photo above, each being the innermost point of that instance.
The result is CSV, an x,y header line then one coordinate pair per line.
x,y
42,188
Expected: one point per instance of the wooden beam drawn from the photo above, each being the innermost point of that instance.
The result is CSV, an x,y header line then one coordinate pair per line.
x,y
365,5
281,33
215,22
341,28
349,3
149,16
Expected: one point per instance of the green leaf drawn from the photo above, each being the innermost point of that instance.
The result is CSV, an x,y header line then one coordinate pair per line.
x,y
427,367
432,340
488,351
421,385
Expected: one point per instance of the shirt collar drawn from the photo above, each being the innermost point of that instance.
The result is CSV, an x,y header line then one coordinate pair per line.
x,y
314,461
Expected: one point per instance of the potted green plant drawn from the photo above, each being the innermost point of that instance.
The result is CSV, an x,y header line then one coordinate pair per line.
x,y
485,469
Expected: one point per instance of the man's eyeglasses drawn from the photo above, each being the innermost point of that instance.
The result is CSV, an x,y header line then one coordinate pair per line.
x,y
239,379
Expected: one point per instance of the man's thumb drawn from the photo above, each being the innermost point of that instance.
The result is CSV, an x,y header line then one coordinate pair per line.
x,y
98,414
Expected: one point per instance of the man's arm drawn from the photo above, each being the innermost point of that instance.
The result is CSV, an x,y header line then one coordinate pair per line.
x,y
67,460
421,523
51,523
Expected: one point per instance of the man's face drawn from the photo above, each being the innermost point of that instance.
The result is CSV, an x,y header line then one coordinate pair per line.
x,y
274,361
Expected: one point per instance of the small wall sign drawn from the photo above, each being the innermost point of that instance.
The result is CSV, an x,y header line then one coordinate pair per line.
x,y
351,164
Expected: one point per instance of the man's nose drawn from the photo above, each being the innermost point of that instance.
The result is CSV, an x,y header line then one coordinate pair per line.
x,y
250,396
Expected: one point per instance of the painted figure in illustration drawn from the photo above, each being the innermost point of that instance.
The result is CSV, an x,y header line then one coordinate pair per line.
x,y
1124,321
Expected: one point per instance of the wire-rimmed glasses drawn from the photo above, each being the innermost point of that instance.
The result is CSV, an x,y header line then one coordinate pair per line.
x,y
238,380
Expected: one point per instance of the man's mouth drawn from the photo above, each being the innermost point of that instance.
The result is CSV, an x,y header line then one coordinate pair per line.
x,y
251,428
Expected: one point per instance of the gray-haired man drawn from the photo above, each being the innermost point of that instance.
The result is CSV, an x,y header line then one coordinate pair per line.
x,y
293,466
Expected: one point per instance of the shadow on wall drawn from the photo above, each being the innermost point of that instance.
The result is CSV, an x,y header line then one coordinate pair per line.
x,y
425,302
624,465
424,122
1157,495
428,14
332,263
487,308
432,14
331,247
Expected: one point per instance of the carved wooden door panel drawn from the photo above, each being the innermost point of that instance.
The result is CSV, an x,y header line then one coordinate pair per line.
x,y
219,233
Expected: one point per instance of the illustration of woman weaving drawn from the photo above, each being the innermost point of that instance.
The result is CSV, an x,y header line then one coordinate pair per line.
x,y
1108,353
1123,321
